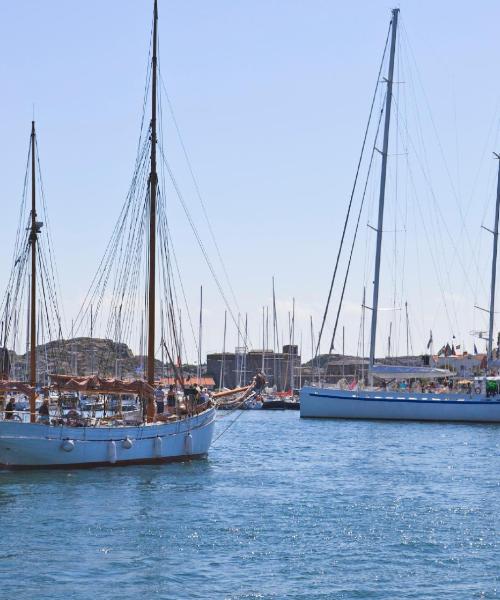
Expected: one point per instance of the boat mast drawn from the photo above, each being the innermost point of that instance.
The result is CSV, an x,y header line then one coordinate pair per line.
x,y
388,102
494,266
153,185
33,241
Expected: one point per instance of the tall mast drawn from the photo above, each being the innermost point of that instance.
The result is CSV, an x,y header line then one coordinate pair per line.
x,y
153,185
494,266
388,102
33,239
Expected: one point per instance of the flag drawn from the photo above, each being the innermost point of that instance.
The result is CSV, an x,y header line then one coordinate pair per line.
x,y
457,346
429,343
475,349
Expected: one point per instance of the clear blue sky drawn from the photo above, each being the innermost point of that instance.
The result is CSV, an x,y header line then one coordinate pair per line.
x,y
272,98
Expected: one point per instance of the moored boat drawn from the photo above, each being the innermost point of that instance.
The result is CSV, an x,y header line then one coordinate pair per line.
x,y
55,439
373,403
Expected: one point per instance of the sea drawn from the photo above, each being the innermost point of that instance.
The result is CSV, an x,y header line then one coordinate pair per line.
x,y
282,508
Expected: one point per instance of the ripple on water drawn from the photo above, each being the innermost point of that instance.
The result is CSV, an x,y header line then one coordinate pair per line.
x,y
283,508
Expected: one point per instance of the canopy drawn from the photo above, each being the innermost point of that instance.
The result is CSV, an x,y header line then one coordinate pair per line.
x,y
102,385
405,372
13,387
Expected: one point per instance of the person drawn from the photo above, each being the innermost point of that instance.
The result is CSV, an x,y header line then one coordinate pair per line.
x,y
9,409
43,411
160,400
171,399
259,381
204,396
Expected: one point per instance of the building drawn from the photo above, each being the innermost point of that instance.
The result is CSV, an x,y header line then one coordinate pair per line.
x,y
464,365
239,367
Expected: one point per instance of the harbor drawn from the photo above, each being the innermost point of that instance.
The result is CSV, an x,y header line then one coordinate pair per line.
x,y
249,344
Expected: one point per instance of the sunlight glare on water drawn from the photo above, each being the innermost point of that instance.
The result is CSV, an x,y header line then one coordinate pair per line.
x,y
282,508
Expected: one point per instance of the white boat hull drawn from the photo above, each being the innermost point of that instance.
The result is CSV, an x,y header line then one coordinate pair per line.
x,y
32,445
345,404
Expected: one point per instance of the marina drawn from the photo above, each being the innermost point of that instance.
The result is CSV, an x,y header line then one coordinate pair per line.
x,y
249,345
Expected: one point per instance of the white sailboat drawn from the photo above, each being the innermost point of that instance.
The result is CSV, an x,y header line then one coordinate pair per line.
x,y
404,405
62,442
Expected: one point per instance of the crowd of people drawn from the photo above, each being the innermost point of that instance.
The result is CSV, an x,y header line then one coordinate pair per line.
x,y
193,395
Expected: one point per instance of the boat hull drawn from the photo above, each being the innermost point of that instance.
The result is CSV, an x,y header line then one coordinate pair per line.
x,y
384,405
34,445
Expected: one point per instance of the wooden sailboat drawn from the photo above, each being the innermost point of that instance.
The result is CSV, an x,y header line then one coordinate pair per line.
x,y
64,443
379,403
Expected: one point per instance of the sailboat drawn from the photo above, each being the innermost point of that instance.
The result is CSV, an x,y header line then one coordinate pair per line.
x,y
403,405
63,442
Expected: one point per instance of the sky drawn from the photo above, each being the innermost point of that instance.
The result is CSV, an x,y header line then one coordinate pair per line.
x,y
271,98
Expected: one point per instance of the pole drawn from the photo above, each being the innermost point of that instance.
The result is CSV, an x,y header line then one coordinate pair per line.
x,y
221,377
200,334
407,331
238,355
494,266
312,350
153,184
383,174
275,383
363,314
263,338
292,344
343,350
33,243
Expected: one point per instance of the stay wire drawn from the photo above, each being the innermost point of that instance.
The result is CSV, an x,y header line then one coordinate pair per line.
x,y
327,307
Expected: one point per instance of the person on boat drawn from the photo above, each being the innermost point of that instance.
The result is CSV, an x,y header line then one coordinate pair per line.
x,y
259,381
160,400
191,394
171,399
9,409
43,411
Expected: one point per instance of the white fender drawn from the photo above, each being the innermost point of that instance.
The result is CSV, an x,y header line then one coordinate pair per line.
x,y
188,444
127,443
158,443
112,451
68,445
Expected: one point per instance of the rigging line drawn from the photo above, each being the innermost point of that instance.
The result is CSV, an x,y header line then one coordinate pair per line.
x,y
99,281
437,204
199,240
176,263
231,423
53,264
355,233
198,193
443,156
325,314
433,258
424,169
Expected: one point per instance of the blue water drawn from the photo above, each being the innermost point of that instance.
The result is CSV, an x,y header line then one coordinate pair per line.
x,y
283,508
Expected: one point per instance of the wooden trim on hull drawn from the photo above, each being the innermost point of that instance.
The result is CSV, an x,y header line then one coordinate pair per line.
x,y
118,463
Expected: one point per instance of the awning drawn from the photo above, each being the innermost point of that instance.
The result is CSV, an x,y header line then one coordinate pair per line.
x,y
101,385
405,372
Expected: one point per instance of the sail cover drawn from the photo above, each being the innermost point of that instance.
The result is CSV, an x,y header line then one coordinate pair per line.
x,y
407,372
